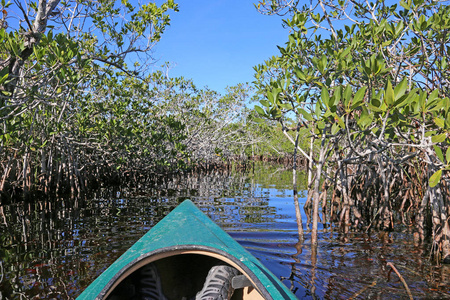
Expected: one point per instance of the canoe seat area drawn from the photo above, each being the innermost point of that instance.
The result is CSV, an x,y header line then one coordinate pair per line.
x,y
182,276
186,256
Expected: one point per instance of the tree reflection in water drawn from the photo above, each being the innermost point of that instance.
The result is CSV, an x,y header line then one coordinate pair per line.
x,y
53,248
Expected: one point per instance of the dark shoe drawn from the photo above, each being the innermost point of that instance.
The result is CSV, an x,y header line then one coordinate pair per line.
x,y
150,283
218,284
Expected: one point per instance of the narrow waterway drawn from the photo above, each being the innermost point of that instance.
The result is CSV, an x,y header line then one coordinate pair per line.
x,y
53,249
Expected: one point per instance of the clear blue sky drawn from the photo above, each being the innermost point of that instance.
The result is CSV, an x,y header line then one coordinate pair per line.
x,y
216,43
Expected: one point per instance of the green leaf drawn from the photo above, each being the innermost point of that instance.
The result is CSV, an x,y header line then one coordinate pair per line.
x,y
259,110
365,118
285,105
270,97
439,138
305,115
389,95
359,96
328,113
13,46
439,122
430,133
3,79
435,178
433,95
275,93
439,153
321,125
300,74
276,113
317,110
436,106
447,121
325,96
340,121
374,108
265,103
334,128
400,89
423,101
324,62
405,5
409,98
320,84
337,95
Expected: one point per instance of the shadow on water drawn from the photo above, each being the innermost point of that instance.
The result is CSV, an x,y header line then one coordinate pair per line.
x,y
55,248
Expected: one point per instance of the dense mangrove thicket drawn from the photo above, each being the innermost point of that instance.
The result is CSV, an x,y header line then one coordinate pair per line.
x,y
66,91
371,82
78,106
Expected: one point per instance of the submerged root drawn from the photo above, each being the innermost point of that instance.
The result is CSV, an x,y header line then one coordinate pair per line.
x,y
389,264
358,293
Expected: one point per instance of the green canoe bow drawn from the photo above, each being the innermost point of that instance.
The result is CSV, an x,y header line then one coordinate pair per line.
x,y
187,230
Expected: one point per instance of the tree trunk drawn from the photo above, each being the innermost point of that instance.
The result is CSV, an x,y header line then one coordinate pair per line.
x,y
316,196
25,173
310,172
345,215
298,214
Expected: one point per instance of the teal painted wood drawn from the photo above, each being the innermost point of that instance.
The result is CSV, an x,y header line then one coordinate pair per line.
x,y
186,227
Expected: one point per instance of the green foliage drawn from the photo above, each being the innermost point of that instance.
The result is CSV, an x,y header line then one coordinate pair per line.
x,y
371,82
268,138
70,104
377,81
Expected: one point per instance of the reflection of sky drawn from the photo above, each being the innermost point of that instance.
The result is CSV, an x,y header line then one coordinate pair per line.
x,y
261,204
65,248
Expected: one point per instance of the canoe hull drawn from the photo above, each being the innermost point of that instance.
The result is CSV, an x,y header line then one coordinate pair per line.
x,y
187,233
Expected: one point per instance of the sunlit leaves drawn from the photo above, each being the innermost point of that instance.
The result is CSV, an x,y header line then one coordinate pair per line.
x,y
435,178
389,94
260,111
307,116
382,74
71,86
325,97
439,138
447,155
440,122
365,118
358,98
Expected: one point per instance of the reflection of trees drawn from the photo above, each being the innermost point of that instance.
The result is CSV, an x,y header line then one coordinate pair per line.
x,y
50,247
356,269
231,197
56,247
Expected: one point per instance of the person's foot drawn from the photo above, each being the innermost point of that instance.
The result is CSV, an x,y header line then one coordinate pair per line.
x,y
217,285
150,283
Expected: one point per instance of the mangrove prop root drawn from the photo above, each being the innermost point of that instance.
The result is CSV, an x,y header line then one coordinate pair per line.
x,y
389,264
355,295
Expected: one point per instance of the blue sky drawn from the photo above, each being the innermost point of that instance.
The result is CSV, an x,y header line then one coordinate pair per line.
x,y
217,43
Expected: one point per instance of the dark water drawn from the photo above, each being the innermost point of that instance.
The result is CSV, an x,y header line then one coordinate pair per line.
x,y
53,249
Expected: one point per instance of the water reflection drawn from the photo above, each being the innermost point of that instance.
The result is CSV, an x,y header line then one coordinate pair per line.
x,y
55,248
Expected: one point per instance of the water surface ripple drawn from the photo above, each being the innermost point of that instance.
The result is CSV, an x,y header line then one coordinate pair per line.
x,y
53,249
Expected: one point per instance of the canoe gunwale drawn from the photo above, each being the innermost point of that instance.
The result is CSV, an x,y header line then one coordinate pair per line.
x,y
181,250
187,230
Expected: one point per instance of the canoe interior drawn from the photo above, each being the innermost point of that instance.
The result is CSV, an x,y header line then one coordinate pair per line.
x,y
186,231
182,276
